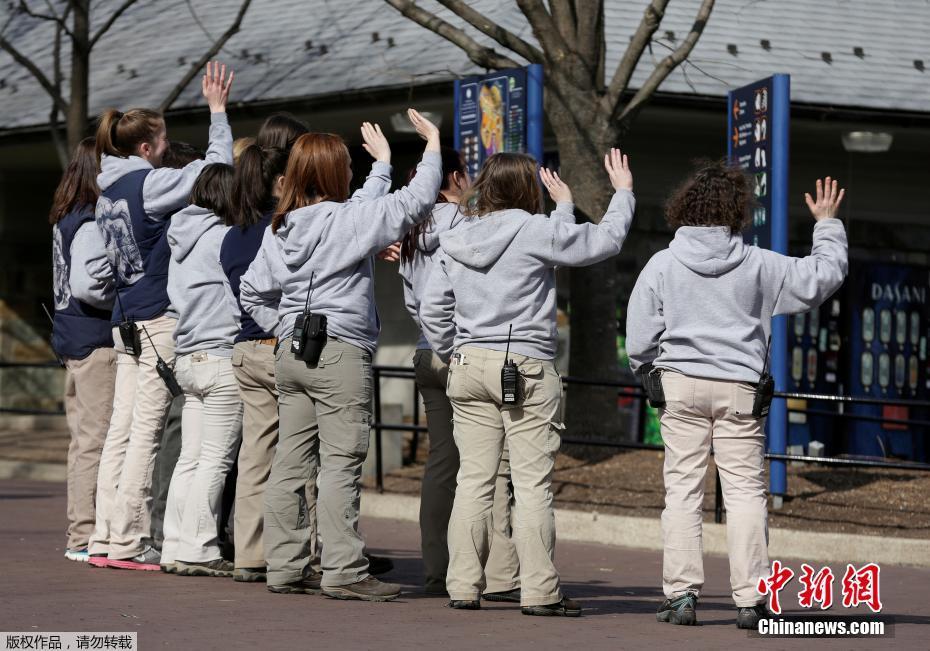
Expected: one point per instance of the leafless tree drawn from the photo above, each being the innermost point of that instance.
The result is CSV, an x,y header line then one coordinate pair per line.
x,y
589,113
72,23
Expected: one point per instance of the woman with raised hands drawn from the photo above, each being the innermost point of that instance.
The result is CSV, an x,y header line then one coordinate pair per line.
x,y
699,318
137,198
313,281
493,291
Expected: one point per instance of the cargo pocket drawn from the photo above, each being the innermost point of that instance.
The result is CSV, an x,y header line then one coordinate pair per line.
x,y
358,430
329,357
554,437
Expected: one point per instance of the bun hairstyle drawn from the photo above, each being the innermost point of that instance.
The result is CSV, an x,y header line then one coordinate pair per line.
x,y
119,134
212,190
452,162
78,185
716,194
506,181
253,183
318,169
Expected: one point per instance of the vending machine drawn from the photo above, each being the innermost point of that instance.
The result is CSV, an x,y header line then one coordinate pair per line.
x,y
815,350
888,331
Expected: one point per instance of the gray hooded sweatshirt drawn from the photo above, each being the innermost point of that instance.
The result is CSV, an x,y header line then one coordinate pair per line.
x,y
334,243
703,306
167,189
208,315
500,270
415,273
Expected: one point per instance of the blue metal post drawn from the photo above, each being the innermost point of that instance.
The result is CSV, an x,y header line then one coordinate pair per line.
x,y
535,116
778,415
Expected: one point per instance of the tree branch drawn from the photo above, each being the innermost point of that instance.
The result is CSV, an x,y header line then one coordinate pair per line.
x,y
23,7
36,72
112,19
481,55
544,29
650,22
669,63
209,54
60,147
564,17
488,27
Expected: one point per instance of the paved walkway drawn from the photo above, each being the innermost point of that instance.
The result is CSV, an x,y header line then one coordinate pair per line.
x,y
619,588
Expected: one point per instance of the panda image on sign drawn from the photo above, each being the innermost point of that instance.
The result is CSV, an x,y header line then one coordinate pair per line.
x,y
115,223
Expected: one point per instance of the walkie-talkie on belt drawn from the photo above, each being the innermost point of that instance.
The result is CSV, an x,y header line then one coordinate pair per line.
x,y
309,336
128,330
510,377
164,371
765,389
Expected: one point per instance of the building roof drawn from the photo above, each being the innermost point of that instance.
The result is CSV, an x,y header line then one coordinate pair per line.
x,y
848,53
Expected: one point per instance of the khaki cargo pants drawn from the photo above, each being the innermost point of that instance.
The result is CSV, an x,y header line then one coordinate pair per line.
x,y
324,421
438,489
253,364
699,414
88,404
532,431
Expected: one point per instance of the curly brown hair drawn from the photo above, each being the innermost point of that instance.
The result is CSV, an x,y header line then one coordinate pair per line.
x,y
716,194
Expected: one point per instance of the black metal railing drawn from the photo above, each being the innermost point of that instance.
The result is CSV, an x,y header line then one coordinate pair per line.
x,y
624,390
635,392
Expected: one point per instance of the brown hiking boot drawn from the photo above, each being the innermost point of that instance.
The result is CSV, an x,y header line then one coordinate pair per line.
x,y
368,589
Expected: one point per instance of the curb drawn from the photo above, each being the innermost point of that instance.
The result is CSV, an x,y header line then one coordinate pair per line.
x,y
646,533
33,470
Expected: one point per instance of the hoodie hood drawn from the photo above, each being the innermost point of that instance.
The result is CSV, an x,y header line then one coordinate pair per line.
x,y
113,168
187,227
481,242
445,217
708,250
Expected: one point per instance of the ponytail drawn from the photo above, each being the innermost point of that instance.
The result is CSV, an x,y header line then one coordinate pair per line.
x,y
119,134
253,184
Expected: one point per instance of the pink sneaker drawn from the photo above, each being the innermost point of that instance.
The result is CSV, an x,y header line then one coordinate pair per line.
x,y
98,560
149,561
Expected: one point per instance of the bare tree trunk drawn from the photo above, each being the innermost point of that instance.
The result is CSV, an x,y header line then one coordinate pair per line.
x,y
76,118
591,412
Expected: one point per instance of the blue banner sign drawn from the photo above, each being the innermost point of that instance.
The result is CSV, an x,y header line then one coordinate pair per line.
x,y
499,112
757,140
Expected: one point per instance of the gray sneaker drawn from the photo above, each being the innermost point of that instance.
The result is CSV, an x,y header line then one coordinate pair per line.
x,y
310,584
368,589
680,610
218,567
149,560
249,574
749,617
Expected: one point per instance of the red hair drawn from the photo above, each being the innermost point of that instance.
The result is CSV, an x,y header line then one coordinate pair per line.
x,y
317,170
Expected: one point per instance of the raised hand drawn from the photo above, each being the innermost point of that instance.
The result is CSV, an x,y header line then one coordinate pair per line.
x,y
216,86
375,143
618,169
828,199
427,130
555,186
